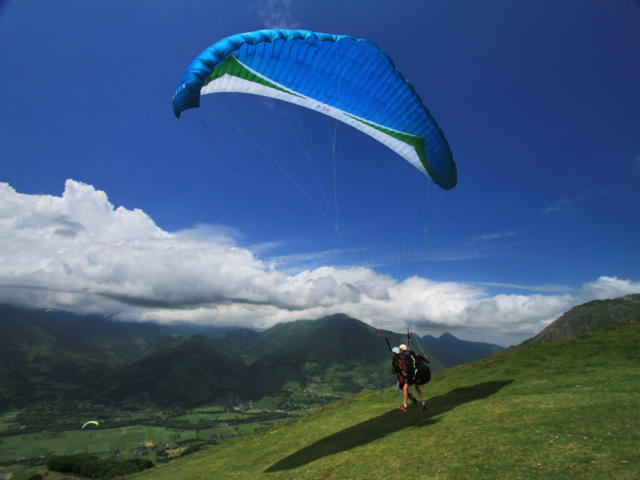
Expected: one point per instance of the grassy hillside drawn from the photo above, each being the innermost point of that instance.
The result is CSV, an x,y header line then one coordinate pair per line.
x,y
33,366
189,373
590,316
563,409
336,355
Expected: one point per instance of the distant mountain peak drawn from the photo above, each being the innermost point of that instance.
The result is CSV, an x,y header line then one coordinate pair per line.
x,y
448,336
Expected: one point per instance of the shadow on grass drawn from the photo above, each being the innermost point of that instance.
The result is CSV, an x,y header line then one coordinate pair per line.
x,y
390,422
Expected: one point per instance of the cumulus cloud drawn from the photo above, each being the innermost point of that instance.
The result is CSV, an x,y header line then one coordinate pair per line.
x,y
79,252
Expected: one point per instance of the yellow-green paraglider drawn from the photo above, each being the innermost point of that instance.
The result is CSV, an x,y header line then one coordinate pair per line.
x,y
90,422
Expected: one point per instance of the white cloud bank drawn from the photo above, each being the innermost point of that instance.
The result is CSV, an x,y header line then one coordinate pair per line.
x,y
78,252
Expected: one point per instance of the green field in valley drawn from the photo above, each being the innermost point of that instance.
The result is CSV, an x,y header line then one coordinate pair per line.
x,y
202,426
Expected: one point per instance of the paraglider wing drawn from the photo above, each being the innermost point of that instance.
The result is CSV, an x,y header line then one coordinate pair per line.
x,y
90,422
346,78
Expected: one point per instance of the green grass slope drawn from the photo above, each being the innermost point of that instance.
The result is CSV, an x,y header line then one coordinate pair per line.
x,y
563,409
590,316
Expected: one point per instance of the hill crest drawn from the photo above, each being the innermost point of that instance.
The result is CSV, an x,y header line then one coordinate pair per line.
x,y
588,317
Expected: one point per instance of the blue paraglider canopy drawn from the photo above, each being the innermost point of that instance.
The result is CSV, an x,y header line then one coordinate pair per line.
x,y
346,78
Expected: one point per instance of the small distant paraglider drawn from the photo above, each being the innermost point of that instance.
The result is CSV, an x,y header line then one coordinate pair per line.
x,y
90,422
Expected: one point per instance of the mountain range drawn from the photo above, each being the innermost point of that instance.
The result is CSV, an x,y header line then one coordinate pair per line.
x,y
56,355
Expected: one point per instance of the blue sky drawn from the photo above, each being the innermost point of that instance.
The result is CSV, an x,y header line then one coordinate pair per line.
x,y
250,211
